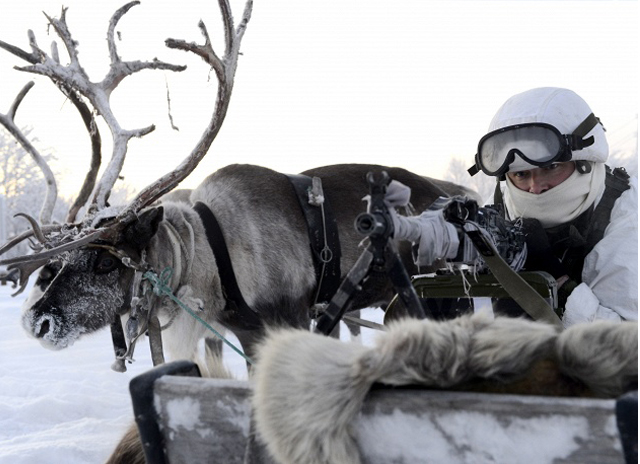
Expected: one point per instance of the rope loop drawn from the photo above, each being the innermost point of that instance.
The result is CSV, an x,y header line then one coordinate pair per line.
x,y
161,288
161,283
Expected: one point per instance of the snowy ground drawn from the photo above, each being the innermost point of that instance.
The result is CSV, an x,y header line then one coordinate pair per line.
x,y
63,406
68,406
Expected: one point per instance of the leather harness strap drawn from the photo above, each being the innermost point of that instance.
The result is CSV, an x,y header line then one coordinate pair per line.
x,y
243,314
323,238
324,241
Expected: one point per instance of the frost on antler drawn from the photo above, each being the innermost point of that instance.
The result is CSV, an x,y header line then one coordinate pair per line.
x,y
88,185
98,94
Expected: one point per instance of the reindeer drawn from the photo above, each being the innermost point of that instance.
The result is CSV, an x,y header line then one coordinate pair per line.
x,y
106,265
268,245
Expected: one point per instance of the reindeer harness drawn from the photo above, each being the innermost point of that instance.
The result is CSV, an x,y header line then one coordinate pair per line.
x,y
323,234
142,319
325,248
235,302
323,239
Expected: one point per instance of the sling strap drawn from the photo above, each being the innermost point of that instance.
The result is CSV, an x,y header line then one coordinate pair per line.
x,y
521,292
616,182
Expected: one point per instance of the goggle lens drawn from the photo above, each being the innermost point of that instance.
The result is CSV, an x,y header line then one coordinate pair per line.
x,y
538,144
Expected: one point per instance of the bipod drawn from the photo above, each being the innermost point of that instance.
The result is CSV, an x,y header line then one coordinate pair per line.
x,y
380,256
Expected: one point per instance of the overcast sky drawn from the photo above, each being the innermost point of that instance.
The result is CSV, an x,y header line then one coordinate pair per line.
x,y
407,83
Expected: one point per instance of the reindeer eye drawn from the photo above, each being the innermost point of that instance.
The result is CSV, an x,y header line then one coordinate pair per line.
x,y
46,273
105,263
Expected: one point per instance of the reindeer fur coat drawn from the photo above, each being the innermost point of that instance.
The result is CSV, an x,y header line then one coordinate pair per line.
x,y
309,388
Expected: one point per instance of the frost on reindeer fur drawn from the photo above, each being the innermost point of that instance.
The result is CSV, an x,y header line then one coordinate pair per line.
x,y
310,388
84,308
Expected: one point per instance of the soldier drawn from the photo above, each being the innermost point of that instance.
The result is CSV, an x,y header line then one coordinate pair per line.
x,y
581,217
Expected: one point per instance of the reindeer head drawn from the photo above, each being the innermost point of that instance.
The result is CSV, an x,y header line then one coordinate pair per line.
x,y
86,288
86,282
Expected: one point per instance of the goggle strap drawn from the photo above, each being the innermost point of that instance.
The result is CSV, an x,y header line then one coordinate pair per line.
x,y
583,167
473,170
578,142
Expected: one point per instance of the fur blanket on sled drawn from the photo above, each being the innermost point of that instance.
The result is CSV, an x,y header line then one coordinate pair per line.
x,y
309,388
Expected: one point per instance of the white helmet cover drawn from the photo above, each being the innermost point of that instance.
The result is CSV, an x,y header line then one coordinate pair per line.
x,y
563,109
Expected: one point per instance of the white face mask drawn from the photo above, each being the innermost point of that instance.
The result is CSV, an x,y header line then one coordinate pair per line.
x,y
562,203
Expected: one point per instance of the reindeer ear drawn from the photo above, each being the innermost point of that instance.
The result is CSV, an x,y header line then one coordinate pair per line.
x,y
141,231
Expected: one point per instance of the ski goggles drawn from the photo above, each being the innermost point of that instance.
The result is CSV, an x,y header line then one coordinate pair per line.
x,y
537,144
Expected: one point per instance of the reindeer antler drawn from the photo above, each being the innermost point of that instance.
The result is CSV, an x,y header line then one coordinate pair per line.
x,y
36,56
46,229
225,70
98,94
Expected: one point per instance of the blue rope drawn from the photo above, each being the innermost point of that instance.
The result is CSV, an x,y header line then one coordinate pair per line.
x,y
161,288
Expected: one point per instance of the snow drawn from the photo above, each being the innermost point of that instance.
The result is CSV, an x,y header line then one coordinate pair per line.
x,y
66,405
184,412
69,406
457,436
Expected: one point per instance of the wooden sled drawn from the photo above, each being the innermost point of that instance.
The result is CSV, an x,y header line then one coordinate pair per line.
x,y
185,419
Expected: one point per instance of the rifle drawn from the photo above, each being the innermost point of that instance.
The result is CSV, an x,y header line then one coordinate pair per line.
x,y
380,256
491,252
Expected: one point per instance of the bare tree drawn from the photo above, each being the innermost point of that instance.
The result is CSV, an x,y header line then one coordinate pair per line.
x,y
457,173
8,121
22,187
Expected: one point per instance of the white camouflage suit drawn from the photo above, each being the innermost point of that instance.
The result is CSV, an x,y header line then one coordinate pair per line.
x,y
609,288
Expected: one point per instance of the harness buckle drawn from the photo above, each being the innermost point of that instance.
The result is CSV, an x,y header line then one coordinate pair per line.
x,y
316,194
